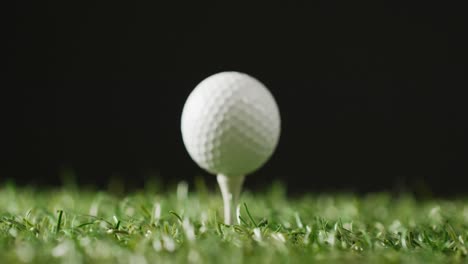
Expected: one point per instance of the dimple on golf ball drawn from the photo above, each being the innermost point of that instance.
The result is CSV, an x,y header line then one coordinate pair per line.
x,y
230,124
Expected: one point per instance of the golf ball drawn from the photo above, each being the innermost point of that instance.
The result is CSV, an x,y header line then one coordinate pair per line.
x,y
230,124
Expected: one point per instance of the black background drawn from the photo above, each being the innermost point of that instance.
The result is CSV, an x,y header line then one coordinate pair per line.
x,y
371,94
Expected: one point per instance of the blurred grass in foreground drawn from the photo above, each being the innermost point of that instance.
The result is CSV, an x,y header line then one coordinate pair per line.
x,y
180,226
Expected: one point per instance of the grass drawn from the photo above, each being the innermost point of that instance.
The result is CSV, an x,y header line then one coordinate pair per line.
x,y
70,225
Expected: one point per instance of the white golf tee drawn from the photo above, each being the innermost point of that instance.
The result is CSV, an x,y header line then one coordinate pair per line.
x,y
230,190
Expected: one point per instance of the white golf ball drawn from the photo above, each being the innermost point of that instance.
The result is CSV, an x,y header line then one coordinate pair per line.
x,y
230,124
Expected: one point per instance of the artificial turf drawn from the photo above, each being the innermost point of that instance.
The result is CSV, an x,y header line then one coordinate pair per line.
x,y
72,225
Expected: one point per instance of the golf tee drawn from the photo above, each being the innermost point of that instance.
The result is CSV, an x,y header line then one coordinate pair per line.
x,y
230,190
